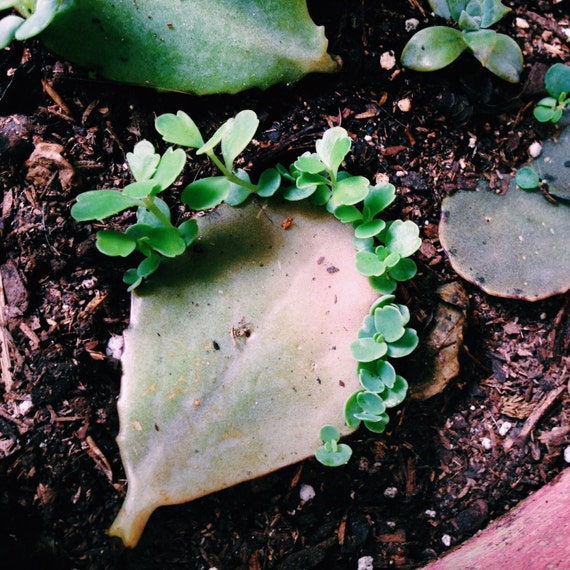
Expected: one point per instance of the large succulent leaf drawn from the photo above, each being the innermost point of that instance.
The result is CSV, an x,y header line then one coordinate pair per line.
x,y
201,47
513,245
237,356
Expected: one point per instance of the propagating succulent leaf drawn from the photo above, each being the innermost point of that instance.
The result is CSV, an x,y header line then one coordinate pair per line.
x,y
201,47
433,48
248,333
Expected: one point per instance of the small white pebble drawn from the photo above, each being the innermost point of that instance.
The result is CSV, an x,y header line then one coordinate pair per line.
x,y
486,443
505,428
115,347
535,149
390,492
24,407
522,24
472,142
411,24
390,524
430,513
567,454
446,539
388,60
306,492
405,105
365,563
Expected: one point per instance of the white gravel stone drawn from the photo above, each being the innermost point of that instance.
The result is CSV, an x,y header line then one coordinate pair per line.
x,y
306,492
505,428
390,492
365,563
567,454
486,443
411,25
388,60
446,539
535,149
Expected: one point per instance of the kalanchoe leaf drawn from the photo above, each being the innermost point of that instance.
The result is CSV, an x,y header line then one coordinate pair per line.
x,y
143,160
100,204
179,129
138,231
44,13
370,381
188,231
557,80
395,395
351,408
170,166
378,198
238,194
527,178
369,229
269,182
383,284
166,241
370,403
140,189
350,191
215,139
333,147
403,237
309,179
369,264
147,217
8,27
433,48
206,193
545,109
115,243
310,163
378,426
388,322
294,193
238,135
404,270
348,214
148,265
404,345
367,349
386,373
132,278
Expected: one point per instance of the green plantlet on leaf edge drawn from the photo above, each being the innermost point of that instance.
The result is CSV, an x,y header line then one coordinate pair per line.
x,y
557,84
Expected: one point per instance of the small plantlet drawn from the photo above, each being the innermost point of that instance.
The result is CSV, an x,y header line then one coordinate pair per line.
x,y
436,47
527,178
332,453
383,248
557,85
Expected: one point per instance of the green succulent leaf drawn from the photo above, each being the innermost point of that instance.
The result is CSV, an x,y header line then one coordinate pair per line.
x,y
557,80
100,204
145,216
368,263
350,191
238,135
367,349
206,193
402,237
333,147
179,129
169,167
268,183
433,48
140,189
440,8
369,229
143,160
166,241
115,244
148,265
348,214
188,231
404,345
370,403
388,322
378,199
238,194
351,409
309,163
44,13
132,279
295,194
499,53
383,283
8,28
395,395
215,139
404,270
379,425
492,11
370,381
386,373
527,178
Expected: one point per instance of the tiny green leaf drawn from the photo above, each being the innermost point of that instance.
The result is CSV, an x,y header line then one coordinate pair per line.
x,y
170,166
557,80
166,241
388,322
115,243
143,160
100,204
310,163
333,147
238,135
403,237
148,265
403,346
368,263
367,349
188,231
179,129
269,182
206,193
527,178
350,190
